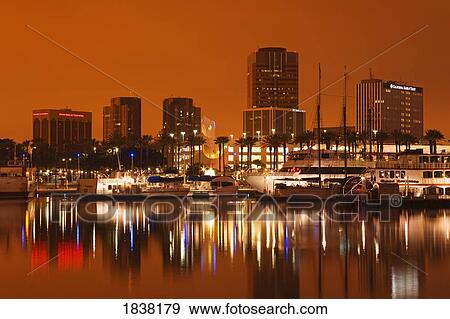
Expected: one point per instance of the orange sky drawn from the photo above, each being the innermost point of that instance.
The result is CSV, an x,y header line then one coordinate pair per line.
x,y
199,49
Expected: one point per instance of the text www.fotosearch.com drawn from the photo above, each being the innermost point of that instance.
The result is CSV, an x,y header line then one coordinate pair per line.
x,y
240,309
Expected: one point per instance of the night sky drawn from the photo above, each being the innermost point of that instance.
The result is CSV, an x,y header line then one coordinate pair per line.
x,y
199,49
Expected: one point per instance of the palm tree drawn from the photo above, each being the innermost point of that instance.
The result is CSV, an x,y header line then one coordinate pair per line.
x,y
301,140
146,142
273,142
164,140
433,136
249,142
397,137
362,137
337,140
241,142
284,139
199,140
408,139
191,143
221,141
7,150
381,137
327,137
352,140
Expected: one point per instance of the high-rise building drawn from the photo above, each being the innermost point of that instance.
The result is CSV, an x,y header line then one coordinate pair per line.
x,y
122,118
389,106
272,94
181,115
61,127
272,78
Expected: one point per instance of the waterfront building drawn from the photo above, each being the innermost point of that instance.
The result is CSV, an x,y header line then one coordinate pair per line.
x,y
272,94
271,120
122,118
389,106
59,127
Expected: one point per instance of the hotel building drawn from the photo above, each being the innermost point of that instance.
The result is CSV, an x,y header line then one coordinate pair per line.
x,y
122,118
181,115
272,94
58,127
389,106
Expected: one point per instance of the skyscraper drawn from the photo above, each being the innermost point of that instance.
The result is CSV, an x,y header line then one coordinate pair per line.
x,y
272,78
181,115
122,118
272,94
389,106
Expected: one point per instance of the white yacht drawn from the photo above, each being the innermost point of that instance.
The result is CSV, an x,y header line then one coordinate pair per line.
x,y
120,182
416,173
16,181
302,169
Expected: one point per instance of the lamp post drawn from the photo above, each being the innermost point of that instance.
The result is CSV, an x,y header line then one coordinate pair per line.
x,y
273,131
172,150
78,165
193,159
132,161
184,163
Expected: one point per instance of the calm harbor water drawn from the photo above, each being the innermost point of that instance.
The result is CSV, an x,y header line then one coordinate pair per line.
x,y
47,250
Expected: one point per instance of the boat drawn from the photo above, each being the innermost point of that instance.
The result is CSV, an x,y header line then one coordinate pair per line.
x,y
16,181
168,185
302,170
120,182
218,186
416,173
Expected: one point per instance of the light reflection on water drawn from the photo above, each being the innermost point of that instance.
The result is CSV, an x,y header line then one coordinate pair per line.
x,y
47,250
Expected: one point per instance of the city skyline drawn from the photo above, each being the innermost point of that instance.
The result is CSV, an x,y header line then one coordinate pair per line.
x,y
41,74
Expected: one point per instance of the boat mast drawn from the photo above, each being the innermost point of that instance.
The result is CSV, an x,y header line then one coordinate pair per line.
x,y
318,131
344,112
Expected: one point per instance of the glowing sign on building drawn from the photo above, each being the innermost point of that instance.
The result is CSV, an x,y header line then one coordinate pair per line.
x,y
70,115
402,87
40,114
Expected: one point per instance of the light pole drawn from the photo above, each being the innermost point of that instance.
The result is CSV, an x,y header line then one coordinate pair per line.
x,y
116,149
172,157
78,165
194,142
132,161
184,163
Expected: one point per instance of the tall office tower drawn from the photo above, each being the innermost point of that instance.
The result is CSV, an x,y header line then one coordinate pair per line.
x,y
272,94
389,106
181,115
61,127
122,118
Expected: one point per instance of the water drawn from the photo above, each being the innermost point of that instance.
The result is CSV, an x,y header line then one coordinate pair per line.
x,y
47,250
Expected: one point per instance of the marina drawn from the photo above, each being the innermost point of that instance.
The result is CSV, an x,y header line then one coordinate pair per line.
x,y
50,252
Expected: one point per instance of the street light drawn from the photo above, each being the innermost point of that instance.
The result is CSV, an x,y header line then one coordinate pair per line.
x,y
273,131
171,149
195,132
132,161
184,163
78,165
